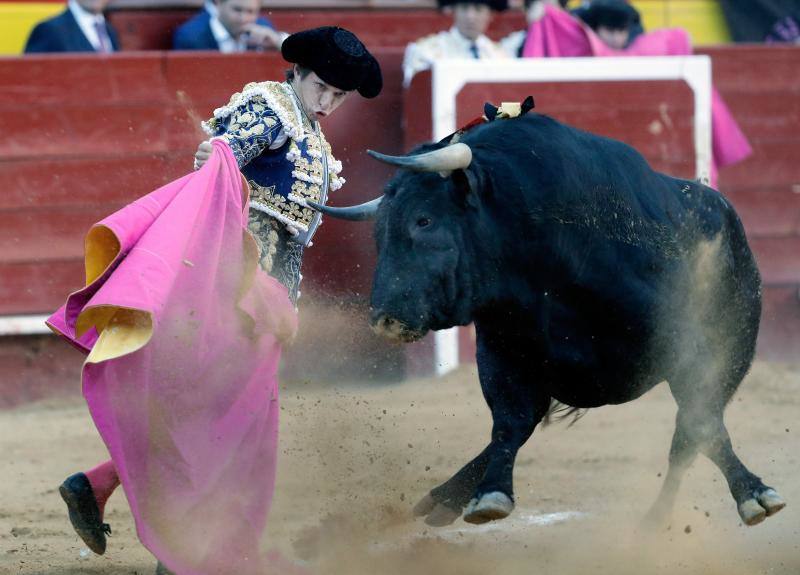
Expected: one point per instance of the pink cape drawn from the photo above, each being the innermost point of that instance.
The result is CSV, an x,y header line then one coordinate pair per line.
x,y
184,332
558,34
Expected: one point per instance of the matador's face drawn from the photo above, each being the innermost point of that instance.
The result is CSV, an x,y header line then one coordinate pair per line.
x,y
319,99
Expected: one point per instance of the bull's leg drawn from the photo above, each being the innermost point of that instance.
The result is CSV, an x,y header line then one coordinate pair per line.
x,y
515,418
700,427
754,500
517,406
485,483
444,503
681,454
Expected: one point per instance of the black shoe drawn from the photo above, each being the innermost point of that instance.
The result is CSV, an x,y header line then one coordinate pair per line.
x,y
84,514
162,570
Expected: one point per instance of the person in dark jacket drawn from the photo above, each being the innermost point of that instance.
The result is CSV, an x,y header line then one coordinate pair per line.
x,y
228,26
616,22
80,28
769,21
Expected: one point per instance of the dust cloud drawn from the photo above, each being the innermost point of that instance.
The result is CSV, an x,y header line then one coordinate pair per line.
x,y
355,458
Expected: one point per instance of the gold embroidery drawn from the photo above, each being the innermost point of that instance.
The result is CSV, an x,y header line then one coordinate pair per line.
x,y
267,199
312,168
306,191
264,230
261,193
308,167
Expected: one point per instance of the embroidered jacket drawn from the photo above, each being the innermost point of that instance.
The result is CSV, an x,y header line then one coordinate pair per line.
x,y
286,161
284,157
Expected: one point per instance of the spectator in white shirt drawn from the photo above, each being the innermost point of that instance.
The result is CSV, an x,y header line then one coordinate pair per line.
x,y
466,39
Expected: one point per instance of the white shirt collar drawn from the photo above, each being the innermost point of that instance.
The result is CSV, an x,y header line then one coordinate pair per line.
x,y
86,21
466,42
227,43
210,7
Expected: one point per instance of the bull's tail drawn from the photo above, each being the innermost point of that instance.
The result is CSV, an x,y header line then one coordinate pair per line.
x,y
559,412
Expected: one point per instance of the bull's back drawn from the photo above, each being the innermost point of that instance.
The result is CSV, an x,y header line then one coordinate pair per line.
x,y
636,258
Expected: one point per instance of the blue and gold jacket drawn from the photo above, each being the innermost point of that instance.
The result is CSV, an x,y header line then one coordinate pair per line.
x,y
282,154
286,161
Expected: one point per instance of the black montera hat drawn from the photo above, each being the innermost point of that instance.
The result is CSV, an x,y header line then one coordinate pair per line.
x,y
527,3
497,5
338,57
613,14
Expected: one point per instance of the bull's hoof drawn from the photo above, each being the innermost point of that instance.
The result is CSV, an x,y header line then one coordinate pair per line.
x,y
436,514
771,501
425,506
441,516
753,511
490,507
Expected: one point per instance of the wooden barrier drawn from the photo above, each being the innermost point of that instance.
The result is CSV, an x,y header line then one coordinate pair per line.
x,y
83,135
152,30
104,131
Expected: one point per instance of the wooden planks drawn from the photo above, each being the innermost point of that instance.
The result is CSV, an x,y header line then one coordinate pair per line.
x,y
105,131
84,135
144,30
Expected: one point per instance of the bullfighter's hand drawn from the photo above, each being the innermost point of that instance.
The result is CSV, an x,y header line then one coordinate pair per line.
x,y
202,154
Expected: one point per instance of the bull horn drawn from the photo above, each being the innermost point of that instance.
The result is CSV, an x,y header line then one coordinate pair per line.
x,y
444,160
361,212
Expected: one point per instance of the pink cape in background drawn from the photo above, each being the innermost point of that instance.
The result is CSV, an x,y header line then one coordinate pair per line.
x,y
557,34
184,332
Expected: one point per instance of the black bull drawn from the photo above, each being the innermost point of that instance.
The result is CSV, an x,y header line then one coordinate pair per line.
x,y
590,278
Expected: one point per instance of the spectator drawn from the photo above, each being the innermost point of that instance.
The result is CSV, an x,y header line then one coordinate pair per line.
x,y
558,34
228,26
80,28
466,39
769,21
615,22
534,10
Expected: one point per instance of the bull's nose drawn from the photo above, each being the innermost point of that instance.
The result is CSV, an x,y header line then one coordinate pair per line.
x,y
376,316
381,321
393,328
388,326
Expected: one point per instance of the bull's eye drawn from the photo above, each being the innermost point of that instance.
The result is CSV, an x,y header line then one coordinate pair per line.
x,y
423,222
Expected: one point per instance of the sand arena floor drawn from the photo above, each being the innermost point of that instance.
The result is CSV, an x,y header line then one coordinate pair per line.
x,y
355,459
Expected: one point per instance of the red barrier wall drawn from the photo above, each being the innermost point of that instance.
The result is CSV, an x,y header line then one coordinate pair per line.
x,y
83,135
762,87
152,30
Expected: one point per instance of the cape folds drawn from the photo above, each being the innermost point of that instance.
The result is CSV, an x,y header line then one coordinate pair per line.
x,y
183,334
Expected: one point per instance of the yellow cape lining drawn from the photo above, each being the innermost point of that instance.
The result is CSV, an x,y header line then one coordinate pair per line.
x,y
122,330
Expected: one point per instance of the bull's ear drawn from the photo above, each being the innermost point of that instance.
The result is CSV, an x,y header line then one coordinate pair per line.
x,y
467,186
